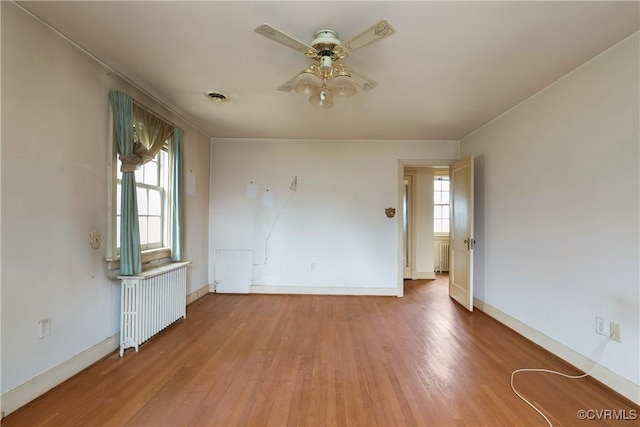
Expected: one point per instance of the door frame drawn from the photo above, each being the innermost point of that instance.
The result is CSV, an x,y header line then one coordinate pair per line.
x,y
411,212
402,165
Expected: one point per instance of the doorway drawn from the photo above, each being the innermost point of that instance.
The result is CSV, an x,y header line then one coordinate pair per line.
x,y
441,219
419,249
408,227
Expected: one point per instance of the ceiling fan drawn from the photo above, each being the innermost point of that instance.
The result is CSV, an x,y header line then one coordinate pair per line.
x,y
326,76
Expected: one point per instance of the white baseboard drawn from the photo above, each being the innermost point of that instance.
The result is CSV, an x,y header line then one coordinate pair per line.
x,y
39,385
324,290
198,294
25,393
425,275
607,377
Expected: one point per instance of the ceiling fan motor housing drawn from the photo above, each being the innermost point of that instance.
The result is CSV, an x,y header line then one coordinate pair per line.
x,y
325,43
326,65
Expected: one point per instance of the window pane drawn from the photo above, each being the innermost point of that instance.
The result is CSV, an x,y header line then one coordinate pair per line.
x,y
437,212
445,185
142,220
445,197
151,173
152,186
142,201
445,212
155,202
437,185
437,198
445,226
155,229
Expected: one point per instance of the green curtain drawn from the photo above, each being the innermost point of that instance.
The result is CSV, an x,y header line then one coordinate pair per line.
x,y
130,259
177,215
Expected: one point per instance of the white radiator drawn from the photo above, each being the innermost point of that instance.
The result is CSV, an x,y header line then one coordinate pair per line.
x,y
151,301
444,258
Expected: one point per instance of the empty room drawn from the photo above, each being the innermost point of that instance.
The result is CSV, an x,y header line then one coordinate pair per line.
x,y
320,213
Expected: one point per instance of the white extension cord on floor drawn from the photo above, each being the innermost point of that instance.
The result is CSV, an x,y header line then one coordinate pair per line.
x,y
548,371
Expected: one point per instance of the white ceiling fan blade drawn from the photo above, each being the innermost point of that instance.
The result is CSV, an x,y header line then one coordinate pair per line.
x,y
377,31
288,85
284,39
366,83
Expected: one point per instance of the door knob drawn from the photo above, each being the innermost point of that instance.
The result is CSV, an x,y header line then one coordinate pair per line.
x,y
470,242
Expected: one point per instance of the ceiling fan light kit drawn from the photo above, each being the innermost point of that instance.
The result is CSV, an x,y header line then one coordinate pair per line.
x,y
323,99
326,78
342,85
308,83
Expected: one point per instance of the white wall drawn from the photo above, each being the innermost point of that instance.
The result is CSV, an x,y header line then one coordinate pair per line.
x,y
557,196
55,116
335,220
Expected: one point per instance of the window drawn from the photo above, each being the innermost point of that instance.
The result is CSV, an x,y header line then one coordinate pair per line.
x,y
153,202
152,185
146,205
441,204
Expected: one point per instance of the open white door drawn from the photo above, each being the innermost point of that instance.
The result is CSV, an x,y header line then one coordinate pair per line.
x,y
461,234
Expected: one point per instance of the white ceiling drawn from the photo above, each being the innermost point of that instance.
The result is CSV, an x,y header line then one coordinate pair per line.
x,y
451,67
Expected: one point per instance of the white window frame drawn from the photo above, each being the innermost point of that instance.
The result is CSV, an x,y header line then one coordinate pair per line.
x,y
441,177
149,252
142,187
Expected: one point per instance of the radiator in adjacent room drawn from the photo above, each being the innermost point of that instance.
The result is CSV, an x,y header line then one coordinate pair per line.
x,y
444,258
151,301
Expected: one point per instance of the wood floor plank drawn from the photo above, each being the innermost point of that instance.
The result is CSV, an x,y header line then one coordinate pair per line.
x,y
293,360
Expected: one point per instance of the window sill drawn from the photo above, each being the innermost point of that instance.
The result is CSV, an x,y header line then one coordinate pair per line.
x,y
150,258
155,254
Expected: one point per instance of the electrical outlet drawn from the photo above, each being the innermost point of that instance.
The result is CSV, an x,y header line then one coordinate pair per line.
x,y
45,328
601,326
615,331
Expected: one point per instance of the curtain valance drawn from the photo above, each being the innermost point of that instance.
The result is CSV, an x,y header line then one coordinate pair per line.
x,y
149,134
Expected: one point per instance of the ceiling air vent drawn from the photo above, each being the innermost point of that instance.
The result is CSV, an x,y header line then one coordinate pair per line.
x,y
216,96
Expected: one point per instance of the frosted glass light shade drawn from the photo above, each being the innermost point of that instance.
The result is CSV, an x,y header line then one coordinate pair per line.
x,y
307,84
324,99
342,85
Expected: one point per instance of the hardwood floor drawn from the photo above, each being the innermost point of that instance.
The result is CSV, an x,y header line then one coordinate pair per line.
x,y
269,360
